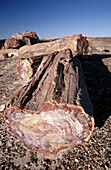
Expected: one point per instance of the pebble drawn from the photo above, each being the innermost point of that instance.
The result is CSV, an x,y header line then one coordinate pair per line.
x,y
2,107
76,160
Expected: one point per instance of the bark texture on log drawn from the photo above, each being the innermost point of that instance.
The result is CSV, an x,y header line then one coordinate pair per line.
x,y
53,110
59,78
77,43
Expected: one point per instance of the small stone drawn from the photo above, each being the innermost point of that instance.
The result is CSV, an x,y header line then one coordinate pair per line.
x,y
2,107
76,160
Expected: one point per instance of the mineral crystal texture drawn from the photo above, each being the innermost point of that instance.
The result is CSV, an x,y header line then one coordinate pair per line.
x,y
52,128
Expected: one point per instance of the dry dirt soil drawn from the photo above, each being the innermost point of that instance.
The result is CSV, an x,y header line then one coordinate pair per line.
x,y
96,154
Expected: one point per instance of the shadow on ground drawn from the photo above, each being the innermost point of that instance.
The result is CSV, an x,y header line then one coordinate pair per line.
x,y
98,79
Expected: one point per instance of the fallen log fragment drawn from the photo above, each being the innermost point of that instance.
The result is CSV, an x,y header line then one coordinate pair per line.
x,y
53,110
77,43
12,43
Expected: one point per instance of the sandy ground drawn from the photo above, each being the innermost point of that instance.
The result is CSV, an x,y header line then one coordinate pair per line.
x,y
97,153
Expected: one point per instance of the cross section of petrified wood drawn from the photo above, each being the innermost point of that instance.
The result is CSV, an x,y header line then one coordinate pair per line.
x,y
53,110
52,128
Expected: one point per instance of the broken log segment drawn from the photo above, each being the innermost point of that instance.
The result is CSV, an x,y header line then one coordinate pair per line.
x,y
53,107
25,93
59,78
77,43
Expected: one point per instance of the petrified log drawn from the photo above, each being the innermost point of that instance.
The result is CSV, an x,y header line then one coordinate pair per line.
x,y
12,43
30,34
77,43
29,40
53,110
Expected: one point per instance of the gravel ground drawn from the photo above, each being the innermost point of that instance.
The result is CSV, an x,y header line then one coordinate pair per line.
x,y
97,153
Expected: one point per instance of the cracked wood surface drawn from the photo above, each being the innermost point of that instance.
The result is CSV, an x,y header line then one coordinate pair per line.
x,y
59,78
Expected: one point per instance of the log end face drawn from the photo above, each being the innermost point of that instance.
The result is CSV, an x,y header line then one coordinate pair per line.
x,y
24,69
54,127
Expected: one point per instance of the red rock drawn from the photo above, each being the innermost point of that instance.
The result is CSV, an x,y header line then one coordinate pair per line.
x,y
12,43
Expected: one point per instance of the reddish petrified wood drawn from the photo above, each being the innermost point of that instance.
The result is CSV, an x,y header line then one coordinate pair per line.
x,y
62,113
52,128
30,34
12,43
24,69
